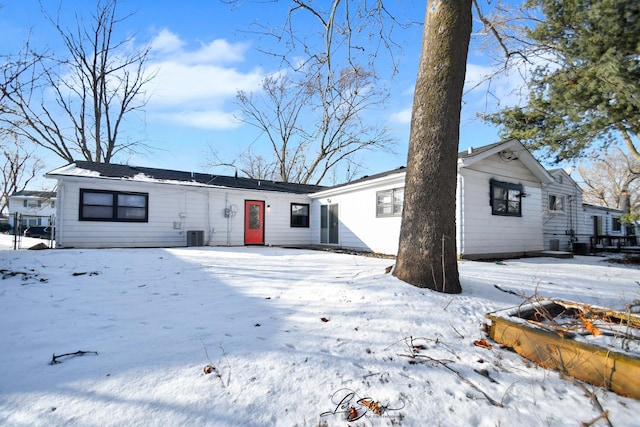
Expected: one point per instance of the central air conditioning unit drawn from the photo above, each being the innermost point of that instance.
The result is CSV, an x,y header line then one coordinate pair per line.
x,y
195,238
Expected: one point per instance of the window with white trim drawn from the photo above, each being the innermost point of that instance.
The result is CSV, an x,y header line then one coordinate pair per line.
x,y
389,202
556,203
616,225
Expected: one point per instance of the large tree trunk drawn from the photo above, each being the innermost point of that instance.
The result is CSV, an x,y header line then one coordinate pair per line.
x,y
427,253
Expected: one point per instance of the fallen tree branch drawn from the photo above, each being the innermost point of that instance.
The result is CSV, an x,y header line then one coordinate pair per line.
x,y
459,375
507,291
415,353
208,369
54,358
604,415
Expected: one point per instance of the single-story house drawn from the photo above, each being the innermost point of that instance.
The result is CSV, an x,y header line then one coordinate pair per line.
x,y
499,207
507,205
109,205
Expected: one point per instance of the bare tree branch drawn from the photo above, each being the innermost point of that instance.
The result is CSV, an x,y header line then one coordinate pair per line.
x,y
606,178
74,104
19,168
311,128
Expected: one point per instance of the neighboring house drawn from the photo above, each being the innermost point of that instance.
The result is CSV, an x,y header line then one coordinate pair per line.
x,y
109,205
32,207
571,225
605,231
498,212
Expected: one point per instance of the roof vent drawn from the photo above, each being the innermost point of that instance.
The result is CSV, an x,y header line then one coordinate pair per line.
x,y
470,150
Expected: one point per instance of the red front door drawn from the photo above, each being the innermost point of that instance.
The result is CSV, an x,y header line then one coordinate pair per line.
x,y
253,222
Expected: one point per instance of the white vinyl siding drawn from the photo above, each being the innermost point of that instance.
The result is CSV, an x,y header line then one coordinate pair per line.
x,y
389,202
563,226
482,234
173,211
360,227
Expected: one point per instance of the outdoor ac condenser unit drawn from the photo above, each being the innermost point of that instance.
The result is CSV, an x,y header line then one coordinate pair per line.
x,y
195,238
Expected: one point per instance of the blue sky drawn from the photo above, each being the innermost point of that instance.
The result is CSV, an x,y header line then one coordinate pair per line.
x,y
205,51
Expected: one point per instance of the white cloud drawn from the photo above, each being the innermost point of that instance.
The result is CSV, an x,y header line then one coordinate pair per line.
x,y
220,51
402,116
166,42
170,47
193,86
179,84
208,119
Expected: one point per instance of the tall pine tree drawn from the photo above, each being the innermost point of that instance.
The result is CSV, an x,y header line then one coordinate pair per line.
x,y
586,95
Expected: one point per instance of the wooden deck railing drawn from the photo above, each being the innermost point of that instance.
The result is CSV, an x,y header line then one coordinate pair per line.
x,y
617,243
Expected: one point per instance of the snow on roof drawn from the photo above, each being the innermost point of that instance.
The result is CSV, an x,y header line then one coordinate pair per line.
x,y
27,194
144,174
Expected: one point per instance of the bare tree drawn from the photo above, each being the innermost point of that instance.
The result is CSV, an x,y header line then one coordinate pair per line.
x,y
19,168
313,115
14,68
310,128
608,178
19,165
74,104
427,248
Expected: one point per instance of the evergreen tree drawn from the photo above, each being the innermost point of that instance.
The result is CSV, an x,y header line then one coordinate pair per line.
x,y
586,95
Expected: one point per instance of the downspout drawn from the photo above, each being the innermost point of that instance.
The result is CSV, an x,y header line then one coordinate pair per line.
x,y
209,232
59,214
228,215
461,220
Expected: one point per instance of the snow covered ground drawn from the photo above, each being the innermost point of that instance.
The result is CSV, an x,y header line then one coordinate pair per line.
x,y
296,338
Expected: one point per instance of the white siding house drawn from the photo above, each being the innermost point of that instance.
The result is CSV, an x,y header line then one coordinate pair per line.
x,y
604,231
499,201
499,207
562,213
32,207
107,205
350,215
571,225
507,205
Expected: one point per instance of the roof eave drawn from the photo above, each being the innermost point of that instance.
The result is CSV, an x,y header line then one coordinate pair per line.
x,y
359,185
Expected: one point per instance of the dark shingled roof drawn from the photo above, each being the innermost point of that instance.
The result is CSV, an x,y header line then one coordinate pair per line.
x,y
111,170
